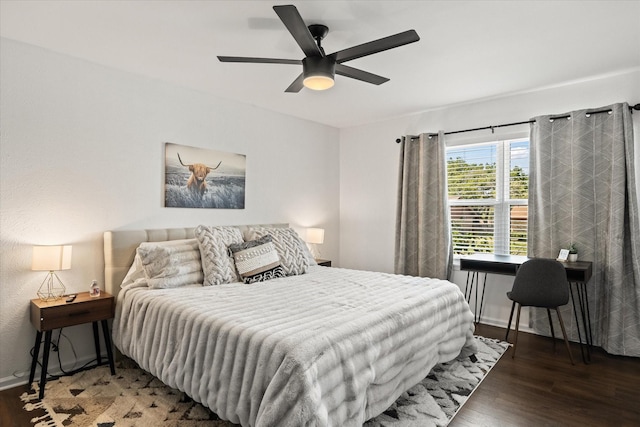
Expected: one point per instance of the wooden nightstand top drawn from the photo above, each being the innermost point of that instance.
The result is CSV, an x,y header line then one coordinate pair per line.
x,y
48,315
324,262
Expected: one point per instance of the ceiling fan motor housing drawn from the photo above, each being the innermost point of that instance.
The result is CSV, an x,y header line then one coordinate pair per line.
x,y
319,72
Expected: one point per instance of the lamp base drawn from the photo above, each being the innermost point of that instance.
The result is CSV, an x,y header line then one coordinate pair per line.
x,y
51,288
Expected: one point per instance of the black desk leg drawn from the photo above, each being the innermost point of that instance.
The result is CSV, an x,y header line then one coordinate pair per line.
x,y
484,286
107,343
45,363
473,281
575,312
586,319
468,286
475,311
96,342
34,361
472,278
586,358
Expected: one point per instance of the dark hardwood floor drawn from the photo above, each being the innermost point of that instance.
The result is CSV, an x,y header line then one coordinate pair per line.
x,y
11,412
537,388
540,387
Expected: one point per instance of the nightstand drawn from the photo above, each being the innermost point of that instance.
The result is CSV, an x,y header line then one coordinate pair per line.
x,y
324,262
49,315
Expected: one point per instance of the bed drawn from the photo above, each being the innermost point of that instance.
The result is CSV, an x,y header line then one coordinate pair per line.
x,y
328,346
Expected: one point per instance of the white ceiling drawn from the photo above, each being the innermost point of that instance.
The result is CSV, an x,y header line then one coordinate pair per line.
x,y
469,50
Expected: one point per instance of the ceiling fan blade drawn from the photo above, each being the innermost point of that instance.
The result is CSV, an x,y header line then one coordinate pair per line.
x,y
259,60
293,21
376,46
297,85
357,74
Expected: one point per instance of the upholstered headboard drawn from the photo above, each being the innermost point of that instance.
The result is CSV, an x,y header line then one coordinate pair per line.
x,y
120,249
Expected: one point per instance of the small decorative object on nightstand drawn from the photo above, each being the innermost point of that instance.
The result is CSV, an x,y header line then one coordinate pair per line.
x,y
94,289
49,315
324,262
573,253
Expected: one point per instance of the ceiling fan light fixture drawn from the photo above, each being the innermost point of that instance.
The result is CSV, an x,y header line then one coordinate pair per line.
x,y
318,82
318,68
319,72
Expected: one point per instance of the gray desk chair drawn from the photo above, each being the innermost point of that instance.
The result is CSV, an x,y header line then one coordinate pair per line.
x,y
540,283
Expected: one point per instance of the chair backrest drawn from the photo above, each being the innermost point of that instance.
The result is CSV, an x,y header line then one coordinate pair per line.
x,y
541,283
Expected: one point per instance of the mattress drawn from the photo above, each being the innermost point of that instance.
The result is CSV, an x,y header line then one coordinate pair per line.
x,y
330,347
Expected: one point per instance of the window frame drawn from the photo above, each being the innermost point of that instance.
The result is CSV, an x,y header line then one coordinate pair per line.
x,y
502,203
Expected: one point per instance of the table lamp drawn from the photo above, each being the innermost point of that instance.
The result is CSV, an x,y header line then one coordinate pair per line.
x,y
51,259
315,236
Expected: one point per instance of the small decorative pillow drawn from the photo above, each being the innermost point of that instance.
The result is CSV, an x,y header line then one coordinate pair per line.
x,y
291,249
257,260
136,271
217,264
171,266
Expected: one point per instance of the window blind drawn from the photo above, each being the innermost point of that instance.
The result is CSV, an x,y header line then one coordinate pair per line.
x,y
488,190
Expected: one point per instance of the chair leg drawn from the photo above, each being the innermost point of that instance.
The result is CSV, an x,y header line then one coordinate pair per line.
x,y
515,340
513,305
564,334
553,335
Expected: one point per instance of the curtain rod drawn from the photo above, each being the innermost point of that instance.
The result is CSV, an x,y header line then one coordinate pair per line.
x,y
564,116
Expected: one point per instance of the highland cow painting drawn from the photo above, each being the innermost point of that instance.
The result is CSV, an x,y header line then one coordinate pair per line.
x,y
200,178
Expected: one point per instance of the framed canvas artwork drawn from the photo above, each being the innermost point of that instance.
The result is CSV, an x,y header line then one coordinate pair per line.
x,y
201,178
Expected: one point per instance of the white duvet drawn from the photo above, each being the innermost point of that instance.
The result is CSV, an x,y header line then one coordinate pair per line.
x,y
332,347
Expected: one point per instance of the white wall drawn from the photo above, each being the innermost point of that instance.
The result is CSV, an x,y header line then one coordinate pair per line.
x,y
82,152
369,160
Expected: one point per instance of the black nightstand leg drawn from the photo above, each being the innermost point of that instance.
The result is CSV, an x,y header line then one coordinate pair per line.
x,y
45,363
34,361
107,343
96,341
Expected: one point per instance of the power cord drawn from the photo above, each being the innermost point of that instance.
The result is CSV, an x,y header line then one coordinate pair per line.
x,y
75,355
55,346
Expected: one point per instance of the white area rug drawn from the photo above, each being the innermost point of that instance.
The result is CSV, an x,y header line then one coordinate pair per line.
x,y
135,398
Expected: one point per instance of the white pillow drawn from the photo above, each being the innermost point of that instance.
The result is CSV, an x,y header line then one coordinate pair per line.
x,y
171,265
291,249
136,271
217,261
305,247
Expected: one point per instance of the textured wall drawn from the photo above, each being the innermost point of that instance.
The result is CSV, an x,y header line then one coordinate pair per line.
x,y
82,152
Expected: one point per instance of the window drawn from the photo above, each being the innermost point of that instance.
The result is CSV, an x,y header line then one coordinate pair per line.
x,y
488,197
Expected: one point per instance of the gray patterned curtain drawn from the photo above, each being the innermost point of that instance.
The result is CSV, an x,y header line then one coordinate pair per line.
x,y
423,232
583,190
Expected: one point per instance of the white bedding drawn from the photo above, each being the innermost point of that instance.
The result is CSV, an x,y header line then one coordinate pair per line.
x,y
330,347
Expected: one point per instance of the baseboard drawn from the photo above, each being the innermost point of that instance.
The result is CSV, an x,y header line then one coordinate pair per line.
x,y
22,378
501,323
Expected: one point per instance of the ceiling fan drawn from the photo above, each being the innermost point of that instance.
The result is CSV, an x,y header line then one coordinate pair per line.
x,y
318,68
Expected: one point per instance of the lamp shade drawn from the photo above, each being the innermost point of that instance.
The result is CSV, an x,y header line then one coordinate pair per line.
x,y
51,258
315,235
